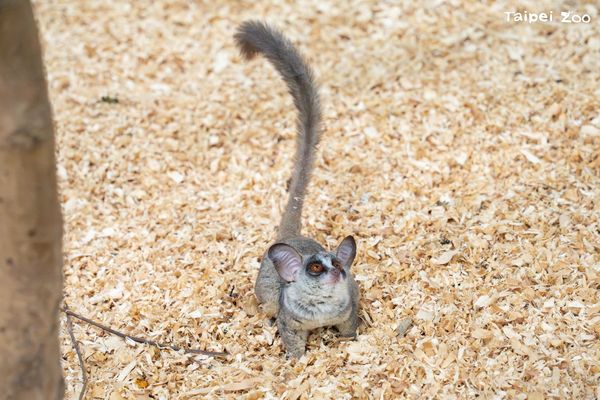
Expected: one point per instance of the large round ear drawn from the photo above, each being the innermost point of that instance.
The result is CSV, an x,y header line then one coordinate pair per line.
x,y
346,251
286,259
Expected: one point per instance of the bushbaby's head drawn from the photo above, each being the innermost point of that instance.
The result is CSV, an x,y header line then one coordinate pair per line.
x,y
322,271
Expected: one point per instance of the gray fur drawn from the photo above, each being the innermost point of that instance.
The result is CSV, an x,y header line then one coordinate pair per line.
x,y
257,37
304,300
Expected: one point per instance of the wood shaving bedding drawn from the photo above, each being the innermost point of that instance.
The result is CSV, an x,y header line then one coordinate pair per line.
x,y
462,150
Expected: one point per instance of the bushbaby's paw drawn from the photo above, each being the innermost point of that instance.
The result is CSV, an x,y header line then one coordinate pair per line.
x,y
347,329
294,354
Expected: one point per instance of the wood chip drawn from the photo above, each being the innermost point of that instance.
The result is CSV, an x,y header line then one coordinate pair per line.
x,y
444,258
461,150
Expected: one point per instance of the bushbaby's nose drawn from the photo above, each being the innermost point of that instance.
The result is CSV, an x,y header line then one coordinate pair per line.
x,y
335,272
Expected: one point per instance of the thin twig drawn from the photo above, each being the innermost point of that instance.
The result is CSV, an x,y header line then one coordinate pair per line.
x,y
84,378
142,340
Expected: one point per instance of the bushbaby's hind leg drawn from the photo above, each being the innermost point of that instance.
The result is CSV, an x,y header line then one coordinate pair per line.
x,y
267,289
349,326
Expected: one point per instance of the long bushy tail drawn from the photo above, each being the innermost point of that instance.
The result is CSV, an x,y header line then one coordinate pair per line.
x,y
254,37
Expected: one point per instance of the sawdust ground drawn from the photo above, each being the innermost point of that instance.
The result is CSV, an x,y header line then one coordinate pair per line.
x,y
463,152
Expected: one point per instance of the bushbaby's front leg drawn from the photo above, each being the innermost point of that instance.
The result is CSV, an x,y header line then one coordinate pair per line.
x,y
349,326
293,340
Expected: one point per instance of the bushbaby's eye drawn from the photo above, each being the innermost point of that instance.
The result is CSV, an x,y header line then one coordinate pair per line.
x,y
315,268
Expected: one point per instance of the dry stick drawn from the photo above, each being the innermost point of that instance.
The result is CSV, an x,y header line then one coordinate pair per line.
x,y
84,378
142,340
